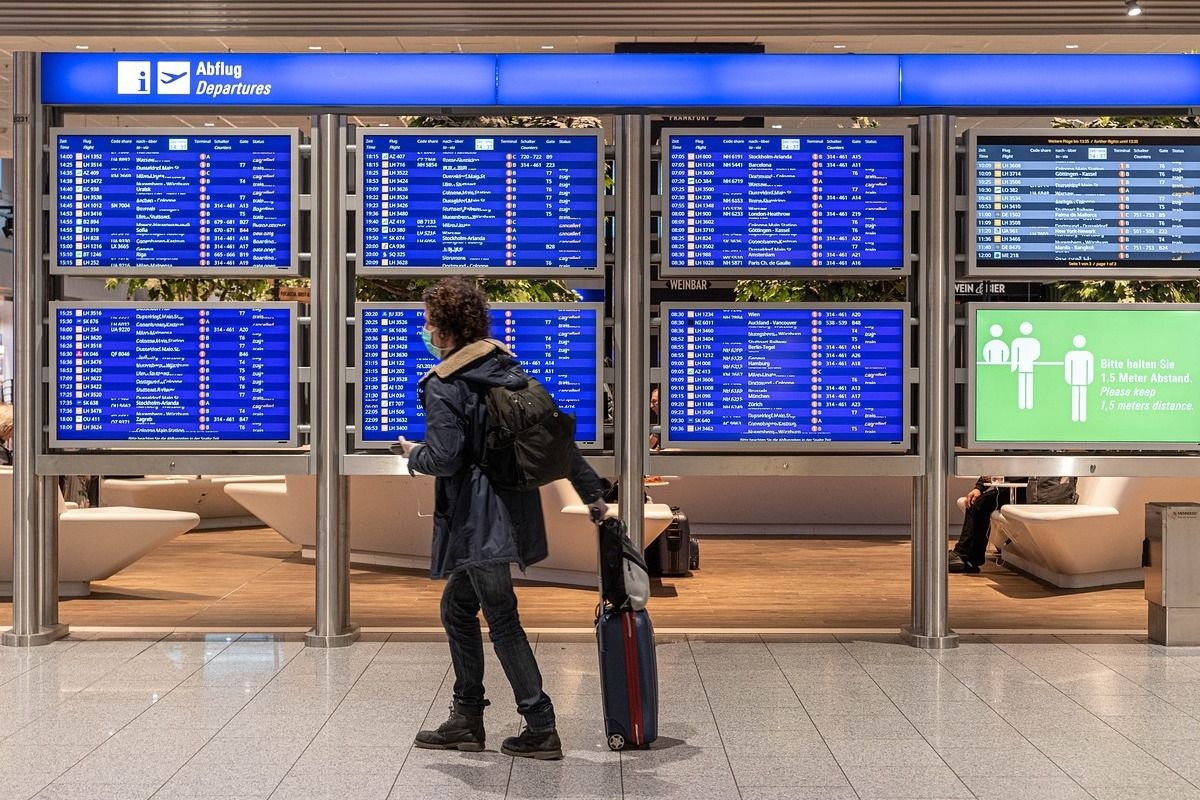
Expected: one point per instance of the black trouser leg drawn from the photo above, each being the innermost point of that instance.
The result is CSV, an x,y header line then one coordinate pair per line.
x,y
973,540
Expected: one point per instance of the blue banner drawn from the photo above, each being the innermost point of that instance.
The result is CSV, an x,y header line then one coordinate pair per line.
x,y
636,82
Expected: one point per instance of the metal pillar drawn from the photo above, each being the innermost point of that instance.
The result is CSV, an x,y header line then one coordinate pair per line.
x,y
929,627
48,495
332,627
629,311
30,603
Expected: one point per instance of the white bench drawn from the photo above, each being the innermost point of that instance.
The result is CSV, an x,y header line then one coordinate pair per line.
x,y
1095,543
93,543
390,518
202,494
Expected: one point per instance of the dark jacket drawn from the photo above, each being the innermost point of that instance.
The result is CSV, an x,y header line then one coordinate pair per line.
x,y
473,522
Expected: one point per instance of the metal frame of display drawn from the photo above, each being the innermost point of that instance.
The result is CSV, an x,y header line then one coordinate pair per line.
x,y
1016,271
1073,459
929,459
500,272
194,446
908,201
1064,447
815,446
290,271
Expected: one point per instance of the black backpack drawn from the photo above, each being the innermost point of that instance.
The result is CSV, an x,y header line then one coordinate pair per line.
x,y
1055,491
528,441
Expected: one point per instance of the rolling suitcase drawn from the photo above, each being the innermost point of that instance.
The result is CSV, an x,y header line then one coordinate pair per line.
x,y
628,678
671,553
628,671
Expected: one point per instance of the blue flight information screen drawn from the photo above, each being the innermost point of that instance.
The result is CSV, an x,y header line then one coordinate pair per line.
x,y
750,202
760,377
199,202
1117,200
166,375
516,201
559,346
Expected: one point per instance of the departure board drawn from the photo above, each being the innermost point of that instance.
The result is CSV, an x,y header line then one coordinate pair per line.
x,y
523,202
557,344
1096,204
174,375
752,203
769,376
128,201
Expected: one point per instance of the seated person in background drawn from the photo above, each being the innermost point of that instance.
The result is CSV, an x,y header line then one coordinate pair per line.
x,y
654,417
969,553
6,432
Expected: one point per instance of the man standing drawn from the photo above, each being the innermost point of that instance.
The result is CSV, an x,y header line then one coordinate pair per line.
x,y
479,530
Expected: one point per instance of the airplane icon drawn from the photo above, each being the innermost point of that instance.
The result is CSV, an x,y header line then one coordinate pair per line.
x,y
174,77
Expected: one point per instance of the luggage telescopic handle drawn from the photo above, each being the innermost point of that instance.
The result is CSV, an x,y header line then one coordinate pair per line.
x,y
595,515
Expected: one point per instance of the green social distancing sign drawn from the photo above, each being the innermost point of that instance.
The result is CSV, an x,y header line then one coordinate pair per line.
x,y
1080,373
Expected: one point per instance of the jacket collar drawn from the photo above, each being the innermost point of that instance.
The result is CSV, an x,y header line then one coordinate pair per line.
x,y
466,355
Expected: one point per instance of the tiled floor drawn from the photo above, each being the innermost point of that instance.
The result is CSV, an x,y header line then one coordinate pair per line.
x,y
254,716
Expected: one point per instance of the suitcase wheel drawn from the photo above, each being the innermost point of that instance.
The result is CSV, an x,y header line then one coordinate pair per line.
x,y
616,742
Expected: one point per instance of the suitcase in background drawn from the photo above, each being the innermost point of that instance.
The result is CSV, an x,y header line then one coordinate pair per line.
x,y
628,678
671,553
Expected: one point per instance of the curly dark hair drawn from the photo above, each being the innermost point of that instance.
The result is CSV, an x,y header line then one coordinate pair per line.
x,y
458,308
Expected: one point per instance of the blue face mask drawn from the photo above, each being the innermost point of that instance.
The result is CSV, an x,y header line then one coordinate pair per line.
x,y
427,339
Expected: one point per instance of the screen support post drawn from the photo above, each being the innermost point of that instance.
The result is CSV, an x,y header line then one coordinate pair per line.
x,y
33,542
630,292
332,627
929,628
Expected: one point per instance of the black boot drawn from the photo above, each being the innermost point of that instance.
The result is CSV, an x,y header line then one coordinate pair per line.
x,y
463,731
544,746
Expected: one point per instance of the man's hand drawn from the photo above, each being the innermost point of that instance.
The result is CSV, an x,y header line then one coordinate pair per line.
x,y
405,447
598,509
972,496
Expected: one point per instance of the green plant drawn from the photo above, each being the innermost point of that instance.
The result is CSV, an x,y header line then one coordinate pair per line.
x,y
792,291
198,289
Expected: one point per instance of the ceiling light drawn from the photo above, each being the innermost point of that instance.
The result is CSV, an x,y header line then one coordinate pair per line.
x,y
547,47
1072,47
1132,8
385,124
776,125
839,47
314,47
210,124
82,47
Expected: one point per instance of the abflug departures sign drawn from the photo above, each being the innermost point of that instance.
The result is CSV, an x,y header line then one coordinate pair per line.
x,y
130,200
468,201
757,203
1094,203
188,375
556,343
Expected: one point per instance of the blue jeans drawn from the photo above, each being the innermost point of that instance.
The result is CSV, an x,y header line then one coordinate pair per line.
x,y
488,587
